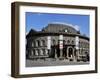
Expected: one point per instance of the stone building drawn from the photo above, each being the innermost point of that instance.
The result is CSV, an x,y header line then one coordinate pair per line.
x,y
58,41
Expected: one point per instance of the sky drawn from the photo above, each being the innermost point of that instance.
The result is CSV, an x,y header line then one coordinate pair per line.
x,y
39,20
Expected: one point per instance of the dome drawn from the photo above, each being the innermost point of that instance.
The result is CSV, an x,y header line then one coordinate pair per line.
x,y
60,27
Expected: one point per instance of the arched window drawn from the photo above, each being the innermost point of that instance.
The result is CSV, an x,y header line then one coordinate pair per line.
x,y
64,42
53,42
42,42
32,52
86,53
37,43
72,42
70,52
36,52
68,42
80,43
46,52
41,52
32,44
65,30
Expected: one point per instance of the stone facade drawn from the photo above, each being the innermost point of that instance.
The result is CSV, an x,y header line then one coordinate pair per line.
x,y
74,46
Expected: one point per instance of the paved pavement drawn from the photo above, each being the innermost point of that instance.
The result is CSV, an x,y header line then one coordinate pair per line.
x,y
51,62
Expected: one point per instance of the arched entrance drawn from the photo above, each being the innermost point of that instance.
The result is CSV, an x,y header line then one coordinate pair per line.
x,y
70,52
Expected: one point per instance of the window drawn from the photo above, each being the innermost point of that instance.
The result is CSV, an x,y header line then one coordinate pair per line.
x,y
36,52
41,52
42,42
70,52
72,42
66,30
37,43
46,52
32,52
54,42
79,44
64,42
32,44
68,41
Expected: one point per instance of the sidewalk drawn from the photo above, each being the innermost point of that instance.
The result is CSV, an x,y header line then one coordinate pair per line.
x,y
52,62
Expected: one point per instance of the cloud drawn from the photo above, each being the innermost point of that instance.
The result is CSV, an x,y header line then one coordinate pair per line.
x,y
27,33
77,27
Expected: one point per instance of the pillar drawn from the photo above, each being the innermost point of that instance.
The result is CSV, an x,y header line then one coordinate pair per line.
x,y
55,53
49,44
61,45
77,46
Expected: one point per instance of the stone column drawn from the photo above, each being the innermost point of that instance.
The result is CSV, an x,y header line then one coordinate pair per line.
x,y
77,46
49,44
61,45
55,54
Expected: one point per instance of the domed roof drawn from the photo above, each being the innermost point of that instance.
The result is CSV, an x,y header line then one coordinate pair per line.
x,y
60,27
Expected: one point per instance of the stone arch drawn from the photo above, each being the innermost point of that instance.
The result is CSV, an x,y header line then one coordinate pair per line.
x,y
46,52
42,42
64,42
38,43
68,41
32,52
72,42
41,52
70,51
36,52
32,44
53,42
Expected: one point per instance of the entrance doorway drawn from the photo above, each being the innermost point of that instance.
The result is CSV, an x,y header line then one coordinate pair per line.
x,y
70,52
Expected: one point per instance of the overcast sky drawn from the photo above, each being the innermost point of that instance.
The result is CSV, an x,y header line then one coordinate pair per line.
x,y
39,20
